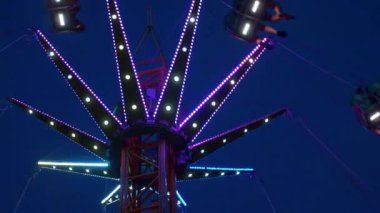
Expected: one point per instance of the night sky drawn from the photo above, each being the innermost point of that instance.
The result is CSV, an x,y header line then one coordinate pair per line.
x,y
299,175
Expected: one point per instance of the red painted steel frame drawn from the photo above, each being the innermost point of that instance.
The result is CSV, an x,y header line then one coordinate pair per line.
x,y
145,178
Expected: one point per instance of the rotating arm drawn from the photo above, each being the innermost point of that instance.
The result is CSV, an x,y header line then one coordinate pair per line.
x,y
103,117
134,107
207,147
198,119
94,145
170,99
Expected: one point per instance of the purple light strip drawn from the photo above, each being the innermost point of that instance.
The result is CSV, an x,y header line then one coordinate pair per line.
x,y
189,57
130,55
80,79
64,124
224,82
176,54
117,63
196,145
221,104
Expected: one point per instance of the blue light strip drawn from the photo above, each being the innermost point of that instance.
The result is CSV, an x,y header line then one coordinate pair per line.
x,y
222,169
49,163
181,198
110,195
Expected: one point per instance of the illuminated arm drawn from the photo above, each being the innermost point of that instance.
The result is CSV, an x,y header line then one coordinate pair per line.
x,y
206,147
170,99
103,117
200,172
91,169
94,145
197,120
134,107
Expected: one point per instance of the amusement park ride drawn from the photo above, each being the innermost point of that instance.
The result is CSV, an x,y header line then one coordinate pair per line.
x,y
366,104
152,144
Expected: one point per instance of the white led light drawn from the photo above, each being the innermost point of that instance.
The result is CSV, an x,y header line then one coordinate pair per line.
x,y
224,140
207,174
52,123
213,103
180,198
88,99
245,130
232,82
95,147
255,6
195,125
105,172
222,174
51,53
69,76
246,28
106,122
134,107
127,76
168,193
131,187
190,175
184,49
192,19
178,202
54,167
114,17
168,108
238,172
70,168
121,47
202,151
61,19
266,120
87,170
375,116
73,135
176,78
251,60
30,111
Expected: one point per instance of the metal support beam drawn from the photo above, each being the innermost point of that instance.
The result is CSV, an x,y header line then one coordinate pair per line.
x,y
162,189
147,176
124,190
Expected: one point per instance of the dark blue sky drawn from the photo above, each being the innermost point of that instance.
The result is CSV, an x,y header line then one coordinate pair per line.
x,y
300,177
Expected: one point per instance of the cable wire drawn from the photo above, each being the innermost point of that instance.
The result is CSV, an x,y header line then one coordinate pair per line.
x,y
311,63
263,189
364,188
30,179
4,106
12,43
